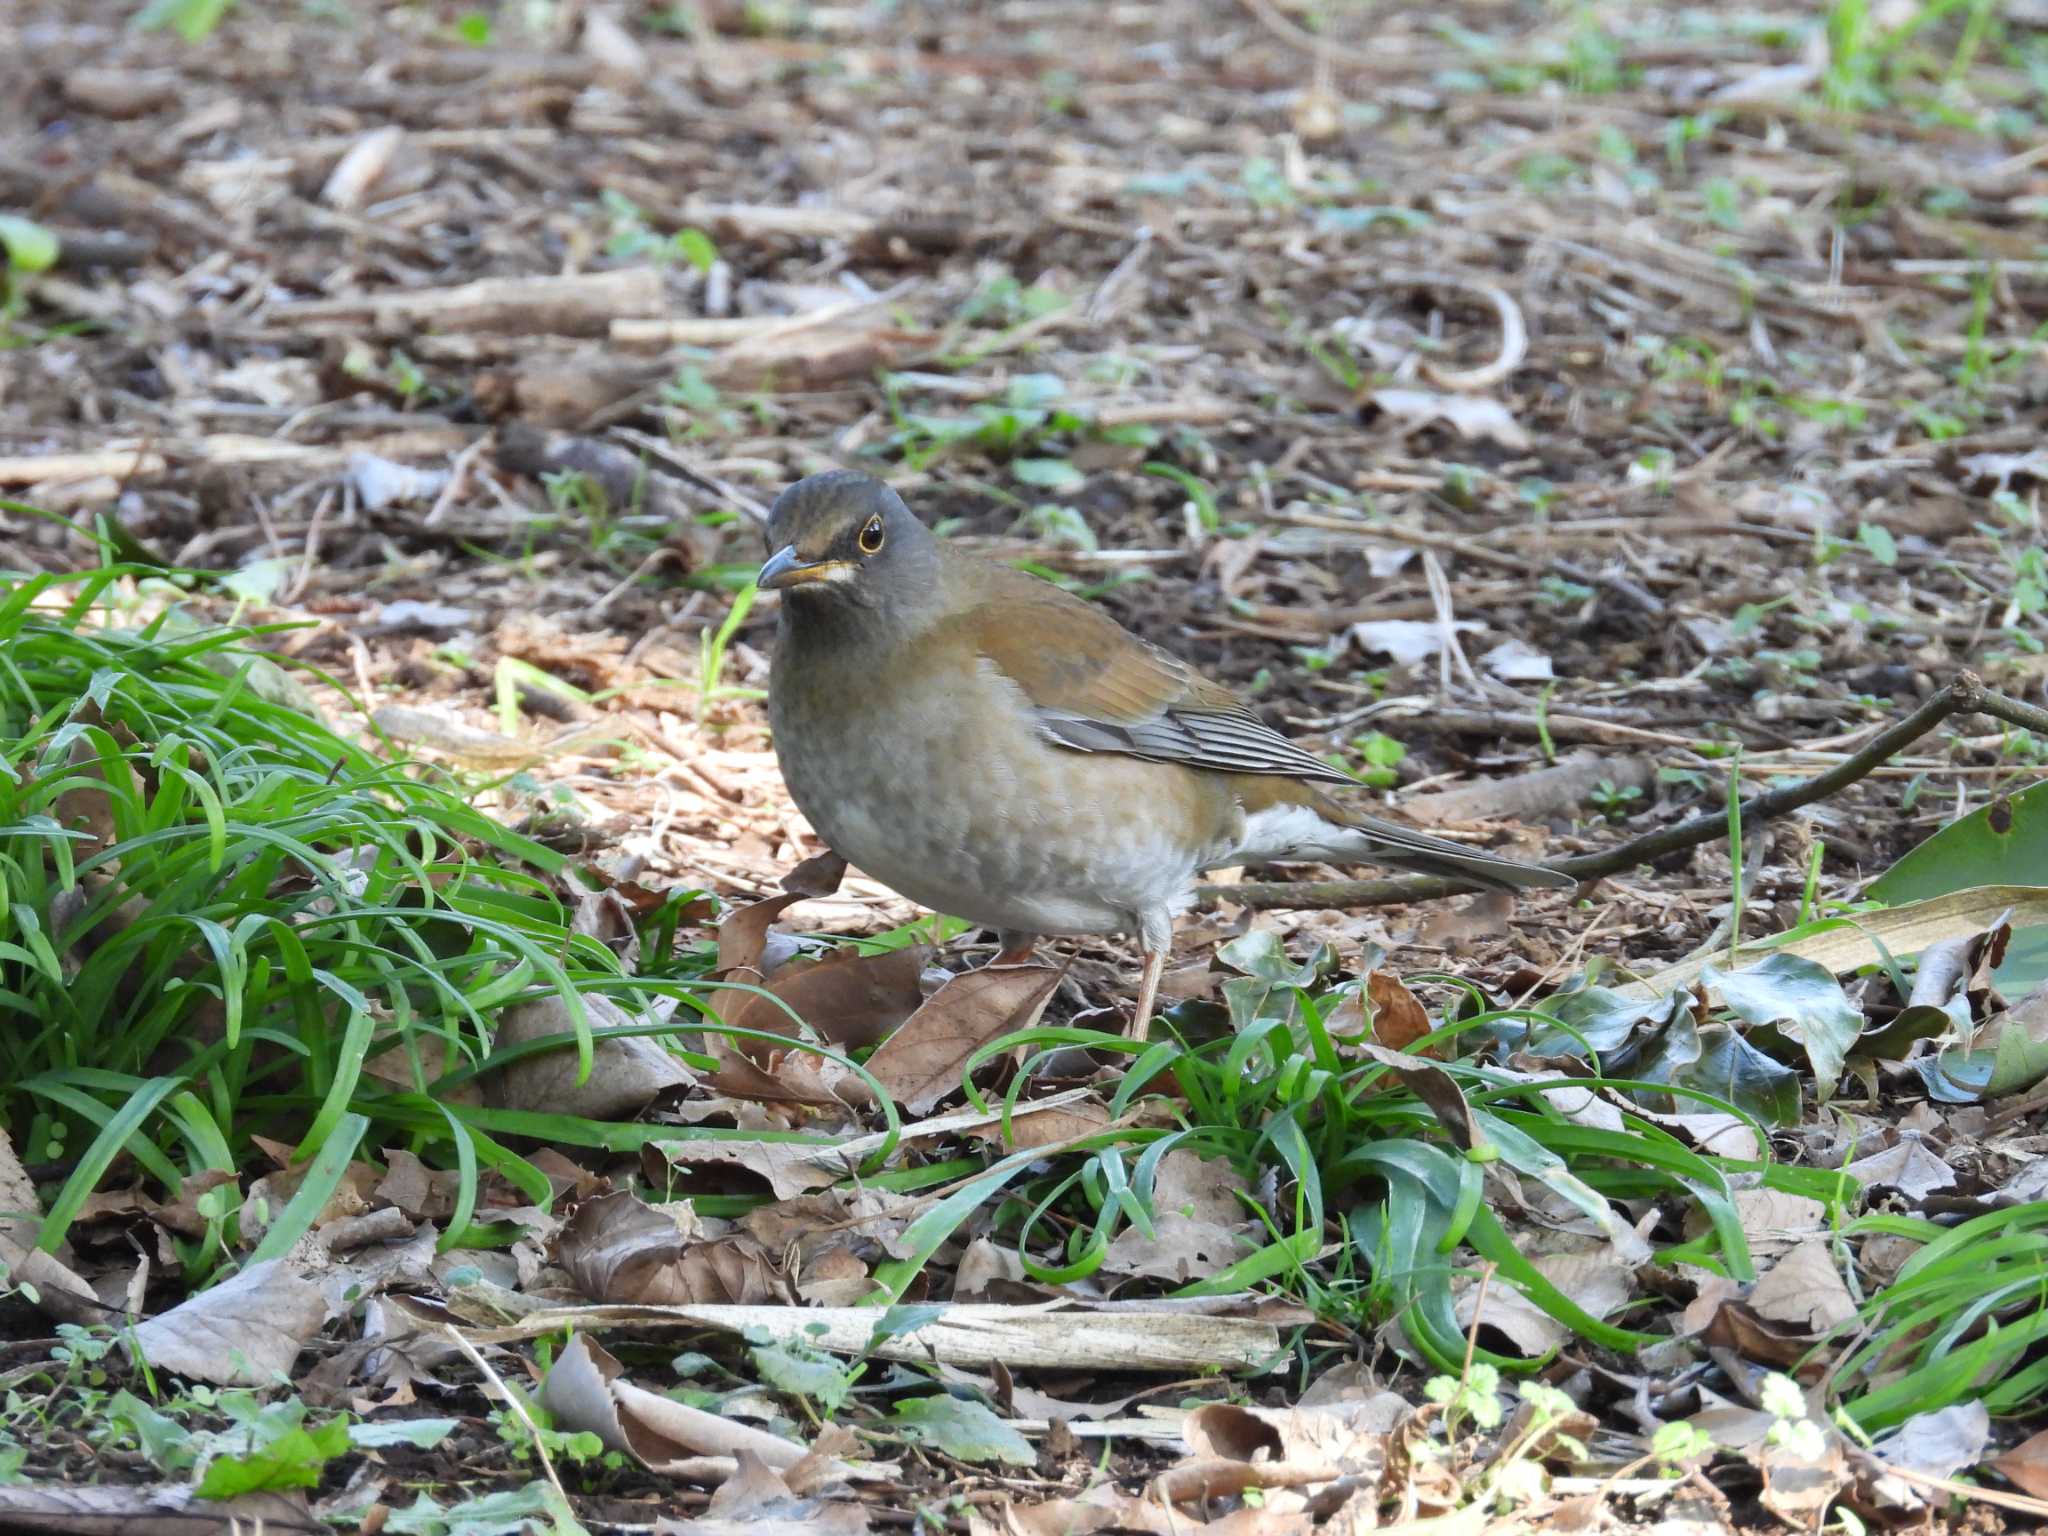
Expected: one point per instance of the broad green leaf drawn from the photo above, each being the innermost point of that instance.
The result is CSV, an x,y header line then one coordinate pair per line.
x,y
696,247
1049,474
1877,538
2020,1059
1729,1067
804,1373
1845,944
1801,1000
2004,843
295,1459
964,1430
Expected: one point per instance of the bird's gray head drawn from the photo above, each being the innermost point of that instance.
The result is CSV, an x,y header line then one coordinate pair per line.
x,y
845,538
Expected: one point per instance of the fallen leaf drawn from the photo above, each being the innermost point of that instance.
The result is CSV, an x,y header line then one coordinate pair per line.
x,y
243,1332
819,875
586,1390
1196,1222
966,1431
626,1072
1909,1166
1470,416
1594,1279
921,1063
743,935
1803,1290
617,1248
2025,1466
727,1167
848,999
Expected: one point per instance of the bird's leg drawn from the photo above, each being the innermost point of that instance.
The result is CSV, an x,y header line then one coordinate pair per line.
x,y
1016,947
1148,993
1155,937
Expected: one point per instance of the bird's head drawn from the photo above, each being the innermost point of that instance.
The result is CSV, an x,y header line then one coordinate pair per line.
x,y
845,537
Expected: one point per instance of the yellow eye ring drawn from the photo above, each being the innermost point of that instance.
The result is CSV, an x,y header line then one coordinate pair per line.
x,y
871,536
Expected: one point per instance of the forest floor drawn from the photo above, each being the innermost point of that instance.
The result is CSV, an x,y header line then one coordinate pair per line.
x,y
1558,413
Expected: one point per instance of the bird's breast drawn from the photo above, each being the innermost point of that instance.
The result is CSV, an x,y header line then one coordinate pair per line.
x,y
943,788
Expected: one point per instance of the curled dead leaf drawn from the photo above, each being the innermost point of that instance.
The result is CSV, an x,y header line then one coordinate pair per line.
x,y
617,1248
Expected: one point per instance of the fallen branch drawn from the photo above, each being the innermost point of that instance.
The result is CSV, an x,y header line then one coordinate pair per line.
x,y
578,304
1965,695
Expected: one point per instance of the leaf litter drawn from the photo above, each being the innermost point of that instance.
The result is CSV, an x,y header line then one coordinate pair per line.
x,y
1562,305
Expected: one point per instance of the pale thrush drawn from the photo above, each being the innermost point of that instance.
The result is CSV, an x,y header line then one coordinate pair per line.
x,y
997,749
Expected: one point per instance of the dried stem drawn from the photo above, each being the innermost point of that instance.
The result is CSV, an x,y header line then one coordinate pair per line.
x,y
1965,695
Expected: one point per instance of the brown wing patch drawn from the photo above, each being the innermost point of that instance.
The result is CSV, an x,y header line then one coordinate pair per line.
x,y
1098,688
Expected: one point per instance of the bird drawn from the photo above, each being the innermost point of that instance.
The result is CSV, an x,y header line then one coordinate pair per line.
x,y
997,749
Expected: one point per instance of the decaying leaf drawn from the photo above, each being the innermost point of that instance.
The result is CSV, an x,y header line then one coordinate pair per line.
x,y
920,1064
848,998
587,1390
1197,1223
1803,1290
626,1072
617,1248
722,1167
242,1332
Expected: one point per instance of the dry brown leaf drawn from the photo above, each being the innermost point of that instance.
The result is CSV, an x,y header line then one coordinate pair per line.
x,y
17,1194
1908,1166
743,935
242,1332
725,1167
819,875
790,1077
848,999
1594,1278
89,807
1044,1125
585,1390
422,1193
920,1064
1803,1290
2025,1466
835,1218
1196,1222
626,1072
1736,1328
60,1293
1436,1088
617,1248
758,1499
1772,1222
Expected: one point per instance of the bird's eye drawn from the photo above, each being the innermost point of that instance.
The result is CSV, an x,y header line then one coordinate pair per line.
x,y
871,536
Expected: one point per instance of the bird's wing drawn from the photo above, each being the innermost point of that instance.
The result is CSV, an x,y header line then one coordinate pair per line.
x,y
1096,687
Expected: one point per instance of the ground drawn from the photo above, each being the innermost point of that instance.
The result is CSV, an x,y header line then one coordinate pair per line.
x,y
1648,395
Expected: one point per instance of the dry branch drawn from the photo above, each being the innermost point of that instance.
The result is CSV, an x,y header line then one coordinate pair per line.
x,y
580,304
45,468
1965,695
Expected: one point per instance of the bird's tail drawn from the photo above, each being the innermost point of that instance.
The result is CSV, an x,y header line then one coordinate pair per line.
x,y
1382,842
1288,820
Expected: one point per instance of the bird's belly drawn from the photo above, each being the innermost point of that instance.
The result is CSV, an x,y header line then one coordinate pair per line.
x,y
1004,833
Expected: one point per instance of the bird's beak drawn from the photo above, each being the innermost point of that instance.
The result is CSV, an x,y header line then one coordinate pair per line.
x,y
785,568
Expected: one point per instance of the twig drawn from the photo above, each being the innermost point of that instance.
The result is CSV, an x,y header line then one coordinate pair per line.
x,y
513,1402
1965,695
